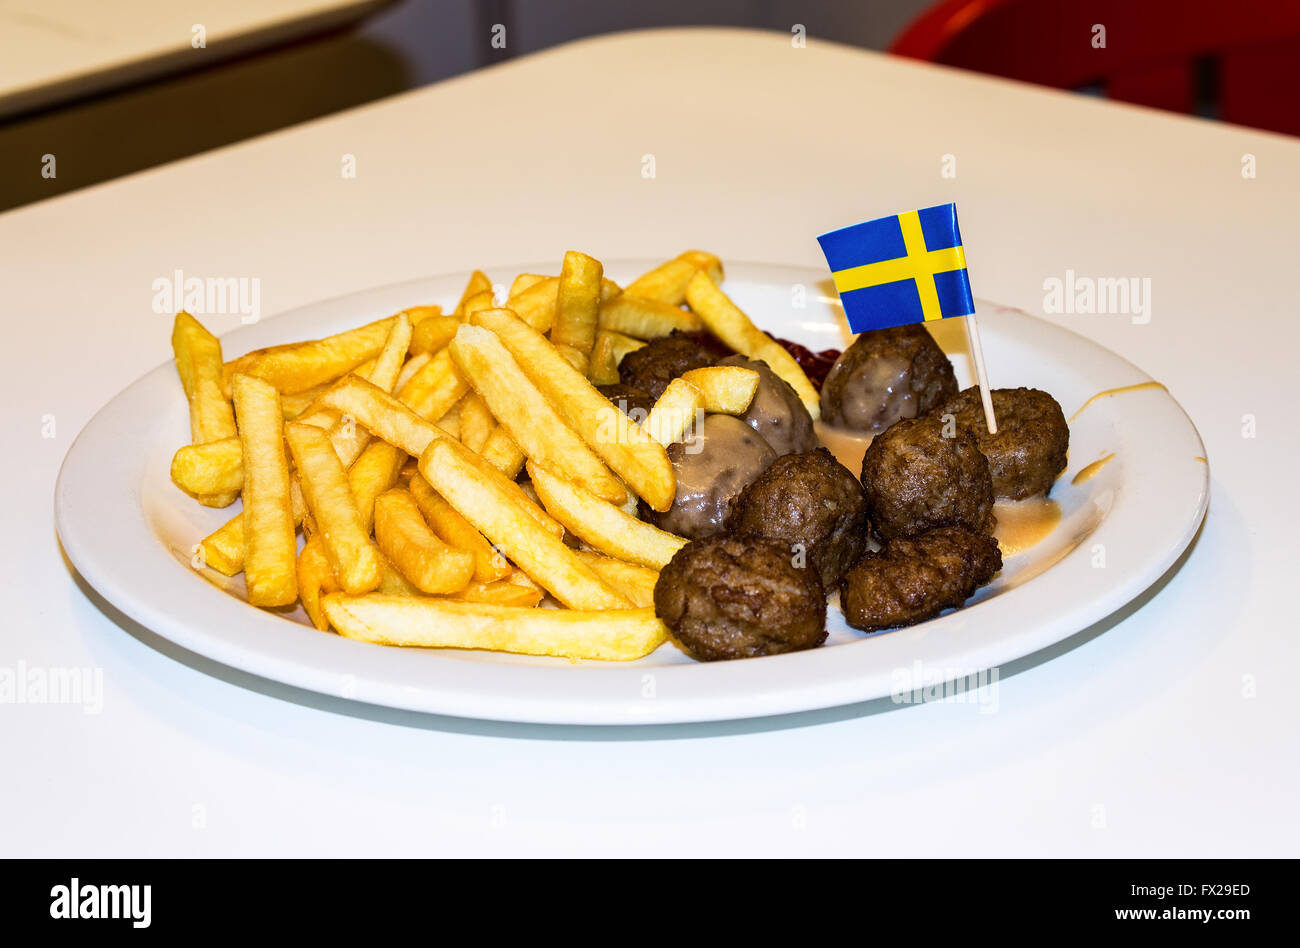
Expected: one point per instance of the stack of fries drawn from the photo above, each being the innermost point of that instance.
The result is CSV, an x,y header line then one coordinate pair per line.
x,y
395,447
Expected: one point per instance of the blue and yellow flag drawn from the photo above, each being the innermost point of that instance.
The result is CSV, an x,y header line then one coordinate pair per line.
x,y
908,268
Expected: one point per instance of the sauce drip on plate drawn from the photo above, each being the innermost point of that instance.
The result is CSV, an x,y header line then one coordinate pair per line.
x,y
1108,392
1088,473
1024,523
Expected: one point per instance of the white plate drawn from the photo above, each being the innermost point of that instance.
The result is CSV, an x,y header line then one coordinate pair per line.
x,y
129,531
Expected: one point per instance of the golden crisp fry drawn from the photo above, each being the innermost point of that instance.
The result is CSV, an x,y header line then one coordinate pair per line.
x,y
576,302
294,405
269,562
635,583
577,359
708,262
329,498
525,412
387,418
727,389
414,364
645,318
429,564
315,579
433,390
667,282
733,327
501,518
224,548
613,635
675,412
213,468
348,438
606,354
432,334
502,593
300,366
479,282
455,530
536,304
450,422
601,524
485,300
476,422
503,453
374,472
198,362
632,454
523,282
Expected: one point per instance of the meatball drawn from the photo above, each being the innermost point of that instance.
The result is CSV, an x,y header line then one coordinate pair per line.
x,y
657,363
733,596
812,500
629,400
776,412
915,478
1028,452
915,578
714,464
884,376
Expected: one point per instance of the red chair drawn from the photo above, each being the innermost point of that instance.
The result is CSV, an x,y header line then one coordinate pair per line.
x,y
1157,52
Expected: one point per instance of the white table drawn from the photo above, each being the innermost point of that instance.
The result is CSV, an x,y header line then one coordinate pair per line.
x,y
1168,730
52,50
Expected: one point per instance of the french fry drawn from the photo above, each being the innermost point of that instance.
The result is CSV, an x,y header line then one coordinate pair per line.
x,y
329,498
272,547
198,362
387,418
294,405
635,583
525,412
418,314
536,304
645,318
434,389
485,300
733,327
601,524
315,579
502,519
575,358
455,530
523,282
629,451
476,422
612,635
727,389
606,354
216,467
502,593
675,412
450,422
224,548
374,472
420,556
393,583
708,262
348,438
479,282
303,365
432,334
576,302
414,364
503,453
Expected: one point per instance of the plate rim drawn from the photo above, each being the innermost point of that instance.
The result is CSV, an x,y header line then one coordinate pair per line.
x,y
608,705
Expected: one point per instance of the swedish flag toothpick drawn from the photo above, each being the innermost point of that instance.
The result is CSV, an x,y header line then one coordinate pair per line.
x,y
906,268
